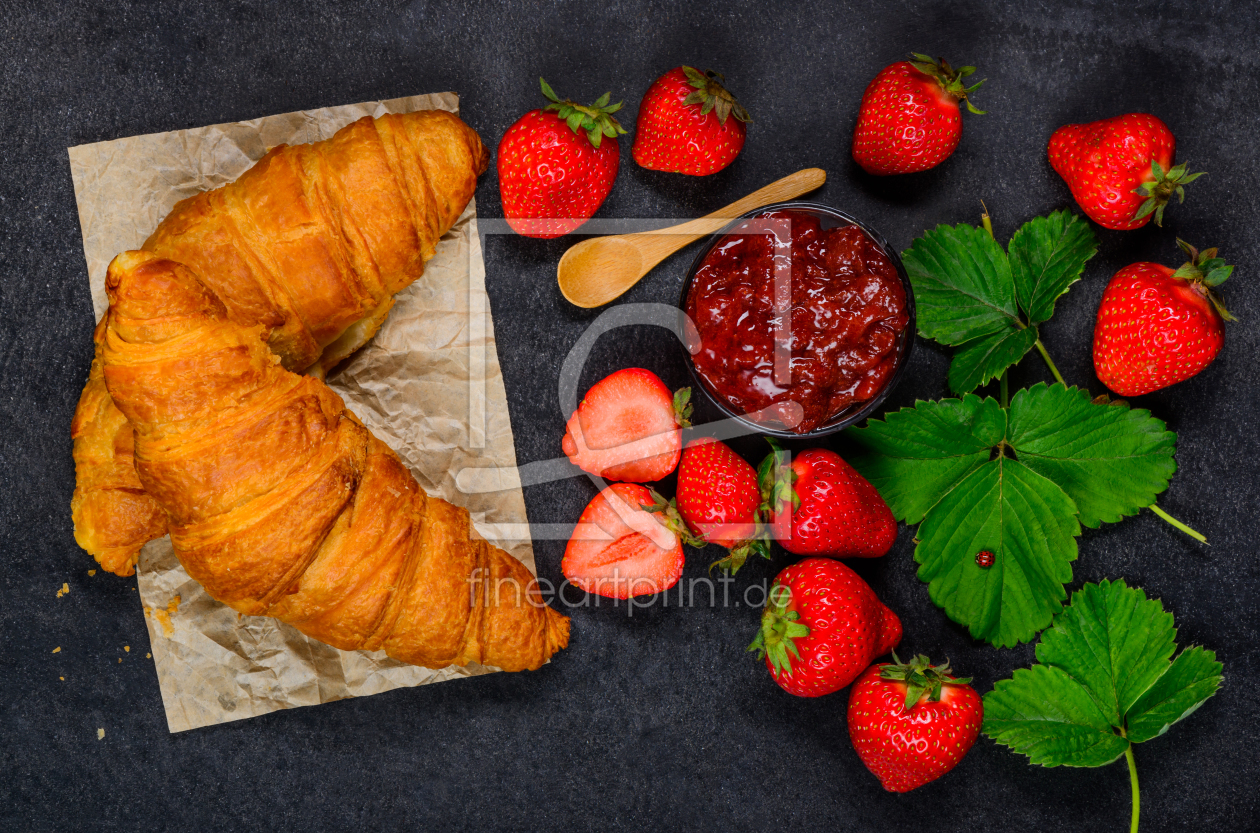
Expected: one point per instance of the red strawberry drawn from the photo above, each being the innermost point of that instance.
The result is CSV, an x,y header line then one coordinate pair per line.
x,y
907,740
822,625
555,169
909,119
684,124
627,427
833,510
1120,170
619,549
718,497
1157,327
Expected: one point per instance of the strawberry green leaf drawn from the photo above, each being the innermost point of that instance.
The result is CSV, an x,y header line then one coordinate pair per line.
x,y
1111,460
1018,483
1029,524
1195,676
971,295
962,284
914,456
1040,712
983,359
1113,642
1048,255
964,295
1104,680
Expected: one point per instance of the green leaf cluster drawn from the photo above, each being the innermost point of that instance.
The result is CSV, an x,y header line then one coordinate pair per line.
x,y
970,294
1019,482
1105,678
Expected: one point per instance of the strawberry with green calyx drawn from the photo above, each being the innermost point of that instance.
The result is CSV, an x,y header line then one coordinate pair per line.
x,y
689,123
1120,170
555,167
834,511
821,626
628,427
909,119
912,722
1156,326
718,497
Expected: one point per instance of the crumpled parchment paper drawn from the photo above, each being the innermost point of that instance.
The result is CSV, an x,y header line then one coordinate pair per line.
x,y
428,385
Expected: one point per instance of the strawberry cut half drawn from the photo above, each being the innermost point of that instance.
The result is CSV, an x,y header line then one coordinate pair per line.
x,y
628,427
619,549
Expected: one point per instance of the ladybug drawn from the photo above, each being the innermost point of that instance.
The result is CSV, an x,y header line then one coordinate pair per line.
x,y
984,559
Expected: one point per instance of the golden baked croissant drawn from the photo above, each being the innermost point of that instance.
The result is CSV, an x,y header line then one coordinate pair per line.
x,y
282,503
311,243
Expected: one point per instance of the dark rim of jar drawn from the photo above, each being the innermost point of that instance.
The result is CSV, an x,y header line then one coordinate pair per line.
x,y
854,413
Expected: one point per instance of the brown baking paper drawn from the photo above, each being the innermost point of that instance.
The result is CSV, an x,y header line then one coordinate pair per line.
x,y
428,385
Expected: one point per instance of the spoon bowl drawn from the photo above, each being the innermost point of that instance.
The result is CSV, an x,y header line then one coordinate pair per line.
x,y
600,269
608,265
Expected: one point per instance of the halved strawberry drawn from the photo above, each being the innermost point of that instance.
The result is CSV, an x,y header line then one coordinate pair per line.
x,y
627,427
619,549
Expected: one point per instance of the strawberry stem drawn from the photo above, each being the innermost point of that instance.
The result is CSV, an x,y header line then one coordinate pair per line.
x,y
950,79
713,96
1041,348
1198,536
779,627
1133,782
986,220
1161,188
1205,270
921,677
596,120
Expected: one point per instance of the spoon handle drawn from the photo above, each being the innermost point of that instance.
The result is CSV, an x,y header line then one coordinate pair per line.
x,y
657,245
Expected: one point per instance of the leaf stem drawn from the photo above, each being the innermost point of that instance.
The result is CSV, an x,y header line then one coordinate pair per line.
x,y
1198,536
1133,782
1006,391
1041,348
985,220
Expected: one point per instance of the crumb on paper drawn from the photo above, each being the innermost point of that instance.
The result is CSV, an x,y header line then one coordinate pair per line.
x,y
164,616
127,648
91,572
65,588
100,734
57,650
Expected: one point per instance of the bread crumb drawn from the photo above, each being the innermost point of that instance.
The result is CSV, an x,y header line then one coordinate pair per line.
x,y
164,616
91,572
63,679
57,650
148,656
127,648
65,588
100,734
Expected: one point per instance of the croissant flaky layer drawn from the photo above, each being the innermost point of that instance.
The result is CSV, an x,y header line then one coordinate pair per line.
x,y
310,244
282,503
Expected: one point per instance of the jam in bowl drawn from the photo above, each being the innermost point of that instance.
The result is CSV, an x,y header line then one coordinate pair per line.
x,y
803,319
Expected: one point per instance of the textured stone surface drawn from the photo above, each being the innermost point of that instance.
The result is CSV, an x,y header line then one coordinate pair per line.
x,y
658,719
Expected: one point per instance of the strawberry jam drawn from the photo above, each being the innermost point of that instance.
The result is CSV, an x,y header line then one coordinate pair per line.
x,y
846,312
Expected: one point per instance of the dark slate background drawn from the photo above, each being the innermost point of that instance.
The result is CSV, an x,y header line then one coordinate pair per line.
x,y
660,719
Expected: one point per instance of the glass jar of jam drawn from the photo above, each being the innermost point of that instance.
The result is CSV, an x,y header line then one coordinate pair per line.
x,y
803,319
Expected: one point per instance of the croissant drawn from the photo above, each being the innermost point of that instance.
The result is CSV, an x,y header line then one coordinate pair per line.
x,y
310,244
281,503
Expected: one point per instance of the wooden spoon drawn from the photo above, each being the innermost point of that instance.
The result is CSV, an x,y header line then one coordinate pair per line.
x,y
599,269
